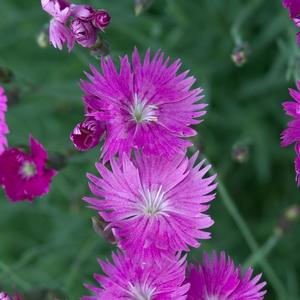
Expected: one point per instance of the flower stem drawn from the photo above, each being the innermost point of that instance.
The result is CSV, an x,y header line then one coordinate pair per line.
x,y
15,278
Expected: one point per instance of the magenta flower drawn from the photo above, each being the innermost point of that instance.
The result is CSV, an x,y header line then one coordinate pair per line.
x,y
217,278
161,201
84,33
24,176
292,133
59,34
146,106
82,12
4,296
101,19
129,278
87,134
293,6
58,9
3,126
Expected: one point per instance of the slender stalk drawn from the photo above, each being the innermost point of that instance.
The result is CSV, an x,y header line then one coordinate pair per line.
x,y
15,278
249,238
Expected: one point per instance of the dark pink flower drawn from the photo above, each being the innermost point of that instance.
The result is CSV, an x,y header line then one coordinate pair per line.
x,y
84,33
130,278
24,176
87,134
218,278
82,12
59,34
3,126
101,19
146,105
164,202
58,9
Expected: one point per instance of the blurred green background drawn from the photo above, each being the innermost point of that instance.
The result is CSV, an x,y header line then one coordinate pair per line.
x,y
50,243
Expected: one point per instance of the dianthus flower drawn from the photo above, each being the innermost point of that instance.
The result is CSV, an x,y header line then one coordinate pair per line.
x,y
292,133
218,279
146,106
24,176
82,19
3,126
155,206
129,278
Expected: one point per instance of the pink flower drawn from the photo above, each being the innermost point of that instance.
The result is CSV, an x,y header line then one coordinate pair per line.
x,y
129,278
58,9
4,296
292,133
146,106
101,19
3,126
59,34
87,134
155,206
82,12
84,33
25,175
217,278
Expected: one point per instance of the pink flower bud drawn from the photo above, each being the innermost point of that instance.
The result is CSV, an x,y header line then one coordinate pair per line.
x,y
84,33
82,12
58,9
87,134
59,34
101,19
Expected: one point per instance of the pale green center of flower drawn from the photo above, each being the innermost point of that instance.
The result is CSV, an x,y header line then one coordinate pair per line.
x,y
143,112
28,169
153,202
139,292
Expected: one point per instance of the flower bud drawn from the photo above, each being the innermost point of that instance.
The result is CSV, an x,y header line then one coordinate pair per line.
x,y
86,135
240,55
101,19
42,38
6,75
240,153
101,48
289,217
82,12
84,33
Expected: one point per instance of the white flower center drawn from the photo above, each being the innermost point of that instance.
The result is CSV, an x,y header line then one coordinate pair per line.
x,y
153,202
142,112
28,169
139,292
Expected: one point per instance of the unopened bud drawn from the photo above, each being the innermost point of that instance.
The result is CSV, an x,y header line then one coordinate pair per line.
x,y
42,38
240,55
240,153
103,230
289,217
141,6
13,96
6,75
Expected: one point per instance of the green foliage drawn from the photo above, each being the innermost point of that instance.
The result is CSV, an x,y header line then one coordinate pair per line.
x,y
50,243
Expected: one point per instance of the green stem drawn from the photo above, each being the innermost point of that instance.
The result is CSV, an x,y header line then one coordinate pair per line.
x,y
244,229
15,278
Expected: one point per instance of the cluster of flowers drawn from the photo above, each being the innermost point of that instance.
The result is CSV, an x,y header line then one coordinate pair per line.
x,y
152,197
294,9
74,23
24,176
